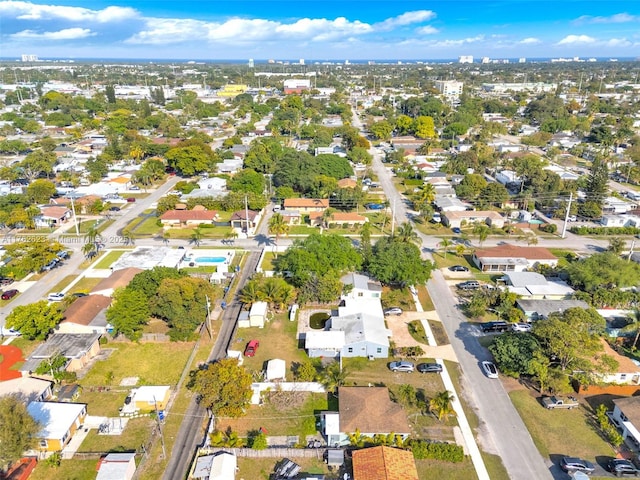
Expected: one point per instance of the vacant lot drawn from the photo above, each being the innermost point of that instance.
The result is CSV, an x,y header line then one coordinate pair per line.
x,y
68,470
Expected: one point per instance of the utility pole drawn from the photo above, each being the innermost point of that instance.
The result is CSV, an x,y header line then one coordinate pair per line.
x,y
155,404
566,216
209,316
75,219
633,244
246,214
393,217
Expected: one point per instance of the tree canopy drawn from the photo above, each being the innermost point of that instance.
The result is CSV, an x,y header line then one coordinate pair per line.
x,y
224,387
35,320
128,312
18,430
398,262
603,269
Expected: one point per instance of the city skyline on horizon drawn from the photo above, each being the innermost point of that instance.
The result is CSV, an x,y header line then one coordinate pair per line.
x,y
349,30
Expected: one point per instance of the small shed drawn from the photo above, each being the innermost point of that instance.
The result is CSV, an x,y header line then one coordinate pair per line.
x,y
243,319
117,466
335,457
258,314
276,369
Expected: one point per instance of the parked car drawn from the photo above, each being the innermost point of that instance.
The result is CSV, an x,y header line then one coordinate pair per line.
x,y
50,266
456,230
469,285
251,348
458,268
63,255
134,187
131,200
4,281
521,327
401,366
114,209
9,294
79,294
573,464
429,368
55,297
375,206
393,311
499,327
620,467
490,370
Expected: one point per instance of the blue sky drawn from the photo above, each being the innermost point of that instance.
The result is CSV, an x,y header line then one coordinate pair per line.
x,y
319,29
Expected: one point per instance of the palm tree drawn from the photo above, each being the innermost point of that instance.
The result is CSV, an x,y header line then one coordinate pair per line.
x,y
89,249
633,326
440,405
278,226
334,377
425,195
251,293
92,235
444,245
196,236
482,231
327,216
406,234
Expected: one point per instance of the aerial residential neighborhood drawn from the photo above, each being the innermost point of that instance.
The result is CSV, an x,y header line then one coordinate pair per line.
x,y
306,269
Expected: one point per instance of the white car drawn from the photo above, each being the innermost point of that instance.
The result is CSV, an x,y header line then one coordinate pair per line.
x,y
521,327
55,297
490,370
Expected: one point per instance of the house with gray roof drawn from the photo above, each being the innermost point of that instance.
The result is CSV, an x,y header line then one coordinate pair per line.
x,y
532,285
540,309
77,348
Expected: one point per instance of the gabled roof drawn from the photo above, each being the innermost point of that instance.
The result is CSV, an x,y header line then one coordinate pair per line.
x,y
513,251
71,345
630,406
625,364
242,215
294,203
85,309
189,215
54,212
119,278
55,418
384,463
370,410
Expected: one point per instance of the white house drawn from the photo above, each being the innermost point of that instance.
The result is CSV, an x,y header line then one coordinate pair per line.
x,y
508,176
28,389
626,415
531,285
361,286
219,466
117,466
324,343
616,205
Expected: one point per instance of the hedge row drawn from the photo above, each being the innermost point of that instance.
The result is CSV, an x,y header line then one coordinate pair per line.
x,y
448,452
605,230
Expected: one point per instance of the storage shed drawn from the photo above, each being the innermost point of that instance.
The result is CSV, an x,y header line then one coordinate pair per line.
x,y
258,314
276,369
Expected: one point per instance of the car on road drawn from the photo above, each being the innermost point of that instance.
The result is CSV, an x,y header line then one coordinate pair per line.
x,y
375,206
429,368
456,230
401,366
134,187
55,297
489,327
458,268
252,348
9,294
490,370
4,281
393,311
620,467
114,209
573,464
521,327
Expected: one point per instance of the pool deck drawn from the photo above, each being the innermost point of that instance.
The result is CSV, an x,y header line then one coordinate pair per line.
x,y
191,255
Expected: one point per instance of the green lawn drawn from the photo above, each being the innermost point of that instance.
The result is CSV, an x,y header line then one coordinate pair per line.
x,y
107,260
267,261
148,227
135,434
417,331
85,284
68,470
62,284
551,429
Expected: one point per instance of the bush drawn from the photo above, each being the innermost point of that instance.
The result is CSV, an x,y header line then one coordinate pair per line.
x,y
605,230
257,440
447,452
549,228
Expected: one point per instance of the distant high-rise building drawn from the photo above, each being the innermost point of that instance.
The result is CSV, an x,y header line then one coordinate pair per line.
x,y
522,60
465,59
251,65
29,57
449,88
347,62
484,60
271,60
302,61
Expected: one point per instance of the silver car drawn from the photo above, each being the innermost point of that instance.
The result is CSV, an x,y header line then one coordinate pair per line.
x,y
490,370
402,366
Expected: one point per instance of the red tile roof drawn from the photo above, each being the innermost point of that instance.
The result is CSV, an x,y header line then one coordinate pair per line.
x,y
189,215
384,463
306,203
513,251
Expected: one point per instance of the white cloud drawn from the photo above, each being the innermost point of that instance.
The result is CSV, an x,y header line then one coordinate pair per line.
x,y
32,11
617,18
406,18
618,42
530,41
459,42
65,34
427,30
576,39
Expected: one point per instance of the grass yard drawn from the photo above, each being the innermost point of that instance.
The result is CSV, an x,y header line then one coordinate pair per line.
x,y
267,261
397,297
86,284
62,284
425,299
417,331
154,363
68,470
148,227
110,258
453,258
550,429
439,333
302,230
262,468
135,434
445,470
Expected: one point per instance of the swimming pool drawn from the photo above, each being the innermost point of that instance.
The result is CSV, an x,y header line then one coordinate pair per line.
x,y
209,260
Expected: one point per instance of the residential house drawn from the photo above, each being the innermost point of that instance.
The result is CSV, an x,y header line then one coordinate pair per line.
x,y
230,165
339,218
512,258
118,279
347,183
619,220
59,422
239,220
626,415
614,205
219,466
564,140
85,315
384,463
506,177
541,309
209,187
52,216
306,205
533,286
324,343
27,389
451,204
361,286
291,217
366,334
366,409
456,219
77,348
117,466
627,373
147,398
187,218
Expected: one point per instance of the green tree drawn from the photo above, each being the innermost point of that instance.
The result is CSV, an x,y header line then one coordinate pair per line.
x,y
425,127
616,245
32,256
482,231
633,325
441,404
513,353
148,282
444,244
603,270
224,387
381,130
40,191
278,226
405,233
18,430
128,313
333,377
97,168
36,163
53,366
398,263
598,182
35,320
247,180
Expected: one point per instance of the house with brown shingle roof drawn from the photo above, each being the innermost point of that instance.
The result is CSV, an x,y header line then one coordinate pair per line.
x,y
512,258
626,416
187,218
384,463
52,215
306,205
347,183
627,373
340,218
85,315
366,409
118,279
239,219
